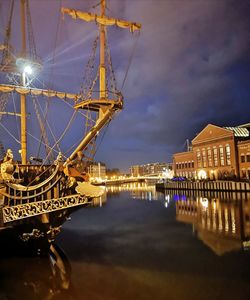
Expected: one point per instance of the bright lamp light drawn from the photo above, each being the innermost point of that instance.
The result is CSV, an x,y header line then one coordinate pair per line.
x,y
28,70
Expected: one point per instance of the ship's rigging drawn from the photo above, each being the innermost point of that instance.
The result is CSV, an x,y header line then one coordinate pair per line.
x,y
102,98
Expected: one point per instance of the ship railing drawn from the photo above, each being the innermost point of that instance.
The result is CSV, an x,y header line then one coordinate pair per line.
x,y
50,187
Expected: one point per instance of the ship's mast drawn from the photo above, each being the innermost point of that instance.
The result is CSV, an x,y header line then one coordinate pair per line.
x,y
104,106
23,96
102,54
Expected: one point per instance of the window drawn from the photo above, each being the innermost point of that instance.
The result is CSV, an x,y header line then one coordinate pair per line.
x,y
248,157
242,158
199,158
222,161
215,150
204,158
192,164
228,155
209,157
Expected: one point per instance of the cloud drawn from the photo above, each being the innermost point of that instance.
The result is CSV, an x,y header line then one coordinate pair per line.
x,y
190,67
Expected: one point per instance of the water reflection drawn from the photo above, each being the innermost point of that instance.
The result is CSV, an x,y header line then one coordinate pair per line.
x,y
220,220
25,277
137,190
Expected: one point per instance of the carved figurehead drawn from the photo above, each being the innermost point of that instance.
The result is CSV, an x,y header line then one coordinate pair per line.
x,y
8,167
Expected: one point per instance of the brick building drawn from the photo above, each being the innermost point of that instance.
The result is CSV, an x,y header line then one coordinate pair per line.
x,y
217,153
244,159
184,164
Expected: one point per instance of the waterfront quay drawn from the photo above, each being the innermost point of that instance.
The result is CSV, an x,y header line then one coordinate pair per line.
x,y
205,186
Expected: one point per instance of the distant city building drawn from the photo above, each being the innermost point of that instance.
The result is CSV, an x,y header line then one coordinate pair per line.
x,y
151,169
217,153
97,170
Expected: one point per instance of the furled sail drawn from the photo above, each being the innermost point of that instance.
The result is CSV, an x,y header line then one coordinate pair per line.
x,y
107,21
5,88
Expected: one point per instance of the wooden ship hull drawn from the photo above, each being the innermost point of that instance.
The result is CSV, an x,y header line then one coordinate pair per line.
x,y
38,211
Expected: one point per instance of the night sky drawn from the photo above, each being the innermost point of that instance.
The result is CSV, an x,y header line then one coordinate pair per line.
x,y
190,67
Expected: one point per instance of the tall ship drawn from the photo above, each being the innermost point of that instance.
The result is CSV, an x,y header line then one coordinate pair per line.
x,y
39,192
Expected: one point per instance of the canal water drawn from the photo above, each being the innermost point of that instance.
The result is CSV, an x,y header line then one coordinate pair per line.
x,y
142,244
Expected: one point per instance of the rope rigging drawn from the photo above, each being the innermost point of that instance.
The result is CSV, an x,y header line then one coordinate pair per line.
x,y
130,59
6,56
87,90
62,135
42,128
89,75
6,51
31,38
48,125
6,129
50,83
111,74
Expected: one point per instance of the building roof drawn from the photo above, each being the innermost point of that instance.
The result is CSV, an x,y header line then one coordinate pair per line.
x,y
239,131
211,132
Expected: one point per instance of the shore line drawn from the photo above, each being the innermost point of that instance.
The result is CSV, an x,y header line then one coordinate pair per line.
x,y
206,186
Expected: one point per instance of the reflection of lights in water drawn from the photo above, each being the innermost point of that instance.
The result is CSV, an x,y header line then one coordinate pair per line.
x,y
214,204
226,220
208,219
214,215
176,197
204,202
149,196
220,220
233,220
183,197
167,198
138,190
